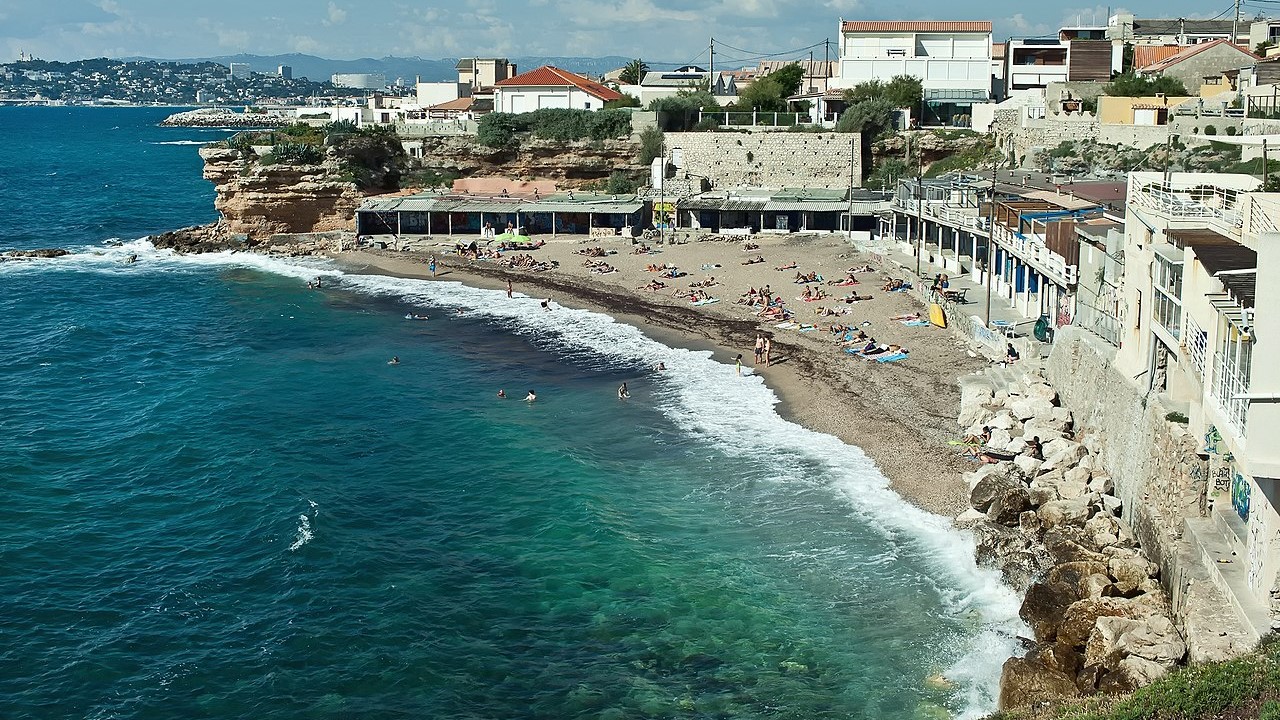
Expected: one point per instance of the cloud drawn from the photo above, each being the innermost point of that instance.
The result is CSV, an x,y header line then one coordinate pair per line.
x,y
336,15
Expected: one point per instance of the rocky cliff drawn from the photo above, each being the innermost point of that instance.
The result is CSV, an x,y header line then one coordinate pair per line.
x,y
574,163
261,200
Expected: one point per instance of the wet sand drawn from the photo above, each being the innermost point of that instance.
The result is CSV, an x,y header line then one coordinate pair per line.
x,y
901,414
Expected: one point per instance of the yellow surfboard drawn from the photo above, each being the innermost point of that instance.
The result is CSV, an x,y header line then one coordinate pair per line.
x,y
936,316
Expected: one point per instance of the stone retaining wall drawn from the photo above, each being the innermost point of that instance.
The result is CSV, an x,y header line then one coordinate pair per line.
x,y
774,160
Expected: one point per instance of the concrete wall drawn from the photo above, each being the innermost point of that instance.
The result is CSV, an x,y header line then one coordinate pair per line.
x,y
774,160
1139,136
1119,110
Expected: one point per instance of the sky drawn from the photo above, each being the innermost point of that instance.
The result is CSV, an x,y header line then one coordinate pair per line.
x,y
675,31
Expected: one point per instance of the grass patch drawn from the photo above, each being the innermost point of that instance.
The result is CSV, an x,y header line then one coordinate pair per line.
x,y
1247,687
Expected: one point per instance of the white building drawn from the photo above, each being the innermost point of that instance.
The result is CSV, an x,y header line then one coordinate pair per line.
x,y
240,71
951,58
550,87
360,81
285,72
1202,258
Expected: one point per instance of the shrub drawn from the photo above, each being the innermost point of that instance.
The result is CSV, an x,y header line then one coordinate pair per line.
x,y
1210,130
706,124
626,101
496,130
1177,417
1231,129
620,183
651,140
290,153
750,158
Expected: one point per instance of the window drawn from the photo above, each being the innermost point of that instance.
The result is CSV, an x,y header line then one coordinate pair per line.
x,y
1166,300
1231,374
587,106
896,52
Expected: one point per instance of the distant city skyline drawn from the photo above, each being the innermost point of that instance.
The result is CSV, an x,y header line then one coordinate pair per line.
x,y
666,30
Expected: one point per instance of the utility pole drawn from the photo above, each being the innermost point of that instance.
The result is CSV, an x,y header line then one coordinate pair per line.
x,y
1168,155
919,210
1235,24
712,67
1266,172
991,237
662,195
853,160
808,72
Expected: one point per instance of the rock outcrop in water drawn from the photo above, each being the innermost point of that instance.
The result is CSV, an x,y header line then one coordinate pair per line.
x,y
38,253
224,118
1050,523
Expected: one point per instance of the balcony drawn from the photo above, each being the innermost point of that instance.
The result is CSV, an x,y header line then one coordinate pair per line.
x,y
1197,199
1031,248
1230,381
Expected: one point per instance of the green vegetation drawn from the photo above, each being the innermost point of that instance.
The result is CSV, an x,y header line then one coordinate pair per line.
x,y
651,140
1131,85
887,173
770,93
902,91
620,183
634,72
680,111
430,178
626,101
873,119
1210,130
979,153
1247,687
1261,49
1176,417
500,130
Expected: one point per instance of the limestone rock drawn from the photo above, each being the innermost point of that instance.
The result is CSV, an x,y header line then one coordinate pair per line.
x,y
1133,673
1102,647
1042,391
1072,490
1039,494
1112,504
1008,505
1101,484
1001,470
1002,421
1155,639
1082,616
1027,682
1077,474
1064,512
1066,544
1065,457
1130,572
967,518
990,487
1027,464
1010,551
1029,407
974,398
1029,522
1097,586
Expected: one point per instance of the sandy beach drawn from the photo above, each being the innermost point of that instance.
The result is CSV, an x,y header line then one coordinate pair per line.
x,y
901,413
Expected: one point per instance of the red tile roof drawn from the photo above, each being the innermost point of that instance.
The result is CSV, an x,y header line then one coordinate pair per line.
x,y
1187,52
1144,55
551,76
463,103
978,26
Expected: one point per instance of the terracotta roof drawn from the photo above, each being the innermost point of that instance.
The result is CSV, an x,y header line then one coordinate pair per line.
x,y
463,103
551,76
978,26
1144,55
1185,53
999,50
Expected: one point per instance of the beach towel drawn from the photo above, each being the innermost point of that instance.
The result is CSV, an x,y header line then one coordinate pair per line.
x,y
785,325
915,323
853,351
708,301
808,328
512,238
890,358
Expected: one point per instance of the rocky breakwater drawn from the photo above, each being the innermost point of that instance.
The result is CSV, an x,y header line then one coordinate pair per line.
x,y
224,118
1050,523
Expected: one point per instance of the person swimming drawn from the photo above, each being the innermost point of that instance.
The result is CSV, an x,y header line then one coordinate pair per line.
x,y
531,396
502,394
622,392
395,360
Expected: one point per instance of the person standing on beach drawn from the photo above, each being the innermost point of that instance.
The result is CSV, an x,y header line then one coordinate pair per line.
x,y
738,362
759,348
768,350
432,264
508,287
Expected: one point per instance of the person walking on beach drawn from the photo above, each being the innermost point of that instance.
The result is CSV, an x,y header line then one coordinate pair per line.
x,y
759,348
738,362
622,392
768,350
508,287
432,265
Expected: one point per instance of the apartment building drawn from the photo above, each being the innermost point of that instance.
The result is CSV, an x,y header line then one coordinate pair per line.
x,y
1198,250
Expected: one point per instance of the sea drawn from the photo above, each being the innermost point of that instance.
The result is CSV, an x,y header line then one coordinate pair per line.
x,y
220,500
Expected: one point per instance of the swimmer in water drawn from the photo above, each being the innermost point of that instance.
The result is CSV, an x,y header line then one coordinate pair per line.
x,y
395,360
502,394
622,392
531,396
546,304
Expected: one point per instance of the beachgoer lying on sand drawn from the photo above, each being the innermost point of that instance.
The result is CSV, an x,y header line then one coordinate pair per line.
x,y
855,297
653,268
754,260
908,316
642,250
653,286
864,268
891,285
848,280
789,266
749,246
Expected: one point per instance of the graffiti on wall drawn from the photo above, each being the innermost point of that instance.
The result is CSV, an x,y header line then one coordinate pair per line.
x,y
1240,496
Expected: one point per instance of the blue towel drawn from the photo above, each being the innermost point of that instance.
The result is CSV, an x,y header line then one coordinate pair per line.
x,y
915,323
891,358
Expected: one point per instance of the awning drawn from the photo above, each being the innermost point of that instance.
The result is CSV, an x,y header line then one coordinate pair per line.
x,y
723,204
620,207
801,206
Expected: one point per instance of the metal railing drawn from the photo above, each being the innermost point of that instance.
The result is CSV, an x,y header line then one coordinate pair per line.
x,y
1097,320
1194,342
1183,204
1228,382
758,119
946,213
1032,249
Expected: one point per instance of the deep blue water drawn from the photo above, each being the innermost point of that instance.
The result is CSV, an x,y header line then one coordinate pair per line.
x,y
220,501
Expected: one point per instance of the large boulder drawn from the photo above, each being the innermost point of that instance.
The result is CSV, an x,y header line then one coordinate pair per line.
x,y
1008,505
1026,682
1074,511
1079,620
1133,673
1076,574
1155,639
1043,607
1012,552
1130,571
1041,391
1064,457
1028,465
969,517
1026,408
1004,470
990,487
1102,648
1066,543
1041,493
1003,420
974,399
1101,484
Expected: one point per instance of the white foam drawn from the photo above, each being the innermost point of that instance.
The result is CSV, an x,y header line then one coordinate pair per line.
x,y
181,142
694,393
304,533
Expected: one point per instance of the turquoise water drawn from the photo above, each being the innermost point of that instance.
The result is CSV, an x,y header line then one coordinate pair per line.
x,y
222,502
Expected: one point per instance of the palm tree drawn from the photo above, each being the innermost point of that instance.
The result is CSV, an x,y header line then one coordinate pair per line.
x,y
634,72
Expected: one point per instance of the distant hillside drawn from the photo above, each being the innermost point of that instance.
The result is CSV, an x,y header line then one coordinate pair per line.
x,y
430,70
